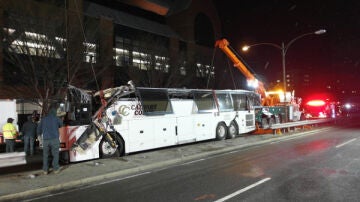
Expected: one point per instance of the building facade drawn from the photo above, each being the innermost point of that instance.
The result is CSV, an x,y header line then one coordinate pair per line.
x,y
48,44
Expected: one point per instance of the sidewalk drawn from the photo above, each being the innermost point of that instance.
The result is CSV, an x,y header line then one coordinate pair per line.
x,y
23,184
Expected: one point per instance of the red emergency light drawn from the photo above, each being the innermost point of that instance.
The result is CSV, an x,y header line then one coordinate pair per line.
x,y
316,103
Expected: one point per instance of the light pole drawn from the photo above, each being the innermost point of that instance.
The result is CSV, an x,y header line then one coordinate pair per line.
x,y
284,48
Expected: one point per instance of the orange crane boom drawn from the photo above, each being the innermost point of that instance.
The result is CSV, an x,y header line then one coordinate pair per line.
x,y
223,44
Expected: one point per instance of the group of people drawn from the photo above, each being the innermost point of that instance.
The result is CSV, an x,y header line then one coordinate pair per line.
x,y
28,131
48,127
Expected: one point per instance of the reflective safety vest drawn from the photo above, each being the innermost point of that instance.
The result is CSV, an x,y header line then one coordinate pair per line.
x,y
9,131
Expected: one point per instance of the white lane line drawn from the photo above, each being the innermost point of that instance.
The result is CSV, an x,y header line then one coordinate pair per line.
x,y
191,162
243,190
347,142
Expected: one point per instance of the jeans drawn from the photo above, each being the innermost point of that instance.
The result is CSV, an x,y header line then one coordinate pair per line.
x,y
29,145
10,145
52,146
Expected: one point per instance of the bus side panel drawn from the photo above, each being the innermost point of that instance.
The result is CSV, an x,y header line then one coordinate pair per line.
x,y
226,117
164,131
91,153
69,135
141,134
246,121
185,129
204,124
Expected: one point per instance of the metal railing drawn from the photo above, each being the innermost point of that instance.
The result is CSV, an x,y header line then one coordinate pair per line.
x,y
304,123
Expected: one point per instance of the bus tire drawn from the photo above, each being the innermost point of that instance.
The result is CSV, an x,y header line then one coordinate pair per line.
x,y
221,131
107,151
233,130
271,121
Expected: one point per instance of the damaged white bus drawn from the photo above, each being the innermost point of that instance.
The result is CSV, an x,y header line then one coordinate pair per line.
x,y
126,119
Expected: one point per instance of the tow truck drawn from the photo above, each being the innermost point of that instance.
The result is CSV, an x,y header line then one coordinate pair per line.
x,y
276,106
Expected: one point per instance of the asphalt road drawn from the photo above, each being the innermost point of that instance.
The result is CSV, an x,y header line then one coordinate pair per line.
x,y
320,167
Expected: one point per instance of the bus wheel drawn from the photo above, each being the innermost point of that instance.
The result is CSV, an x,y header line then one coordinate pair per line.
x,y
271,121
221,131
232,130
107,151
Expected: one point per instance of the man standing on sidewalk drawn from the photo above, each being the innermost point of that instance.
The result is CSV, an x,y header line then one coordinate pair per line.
x,y
49,128
10,134
29,132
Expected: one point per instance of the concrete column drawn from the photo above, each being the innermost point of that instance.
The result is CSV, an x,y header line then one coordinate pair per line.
x,y
106,53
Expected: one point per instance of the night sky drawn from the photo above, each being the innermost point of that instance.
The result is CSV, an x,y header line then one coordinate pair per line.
x,y
332,58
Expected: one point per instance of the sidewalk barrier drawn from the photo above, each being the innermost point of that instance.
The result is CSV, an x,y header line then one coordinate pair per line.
x,y
12,159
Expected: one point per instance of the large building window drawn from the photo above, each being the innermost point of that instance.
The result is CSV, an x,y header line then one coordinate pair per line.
x,y
90,52
141,60
35,44
147,52
31,43
204,71
162,63
122,52
182,69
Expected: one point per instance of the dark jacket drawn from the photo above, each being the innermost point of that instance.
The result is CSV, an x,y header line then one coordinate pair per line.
x,y
29,128
49,126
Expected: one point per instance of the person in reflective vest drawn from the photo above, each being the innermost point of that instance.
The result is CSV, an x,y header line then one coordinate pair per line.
x,y
10,134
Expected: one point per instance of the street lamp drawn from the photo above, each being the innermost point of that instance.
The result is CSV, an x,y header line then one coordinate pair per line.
x,y
284,48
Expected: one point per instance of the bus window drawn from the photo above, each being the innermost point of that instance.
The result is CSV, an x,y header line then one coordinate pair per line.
x,y
79,114
225,103
239,102
204,101
254,99
155,101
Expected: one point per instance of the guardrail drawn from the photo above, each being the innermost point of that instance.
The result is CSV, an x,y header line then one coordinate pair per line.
x,y
304,123
12,159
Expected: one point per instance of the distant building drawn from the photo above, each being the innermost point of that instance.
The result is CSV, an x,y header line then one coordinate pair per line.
x,y
100,44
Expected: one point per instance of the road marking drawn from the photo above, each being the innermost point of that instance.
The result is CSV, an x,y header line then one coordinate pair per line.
x,y
86,187
191,162
347,142
243,190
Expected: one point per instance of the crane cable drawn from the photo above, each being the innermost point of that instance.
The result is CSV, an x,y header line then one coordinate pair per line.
x,y
230,69
85,40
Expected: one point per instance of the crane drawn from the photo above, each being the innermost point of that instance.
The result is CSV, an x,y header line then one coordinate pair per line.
x,y
270,100
224,45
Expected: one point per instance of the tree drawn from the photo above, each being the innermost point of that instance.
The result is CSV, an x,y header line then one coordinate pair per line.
x,y
39,60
